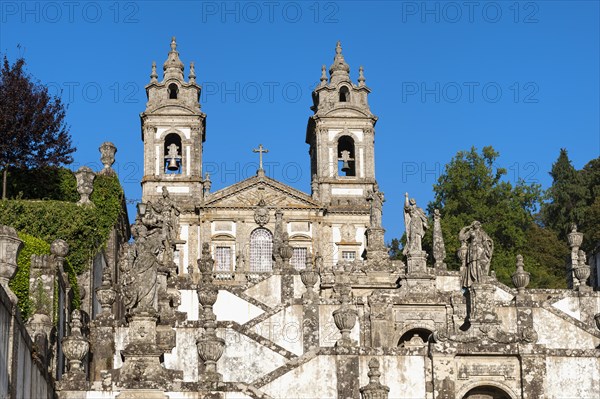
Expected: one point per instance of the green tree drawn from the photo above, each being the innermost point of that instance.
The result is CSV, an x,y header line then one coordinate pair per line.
x,y
33,131
567,198
472,188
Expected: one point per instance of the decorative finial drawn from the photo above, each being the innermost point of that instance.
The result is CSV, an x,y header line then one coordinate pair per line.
x,y
520,277
361,76
173,67
192,75
339,66
323,75
153,75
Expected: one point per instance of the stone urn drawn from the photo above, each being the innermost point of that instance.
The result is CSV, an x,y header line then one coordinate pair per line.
x,y
106,295
210,350
309,278
85,184
520,278
345,319
574,238
207,295
10,246
582,272
75,346
107,156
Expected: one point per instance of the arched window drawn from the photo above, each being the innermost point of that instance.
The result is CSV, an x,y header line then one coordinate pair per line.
x,y
486,392
346,157
261,250
172,154
173,91
344,94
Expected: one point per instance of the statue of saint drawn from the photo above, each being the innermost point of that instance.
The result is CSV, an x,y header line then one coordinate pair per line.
x,y
376,198
478,254
415,223
140,264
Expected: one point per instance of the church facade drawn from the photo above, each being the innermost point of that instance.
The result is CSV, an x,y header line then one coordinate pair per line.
x,y
259,290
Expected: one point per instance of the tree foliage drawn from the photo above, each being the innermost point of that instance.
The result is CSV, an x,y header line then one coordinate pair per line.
x,y
472,188
33,130
574,197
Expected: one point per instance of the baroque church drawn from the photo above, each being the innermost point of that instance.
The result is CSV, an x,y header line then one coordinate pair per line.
x,y
259,290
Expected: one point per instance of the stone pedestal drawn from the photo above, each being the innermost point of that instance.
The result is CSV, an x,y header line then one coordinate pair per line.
x,y
377,255
142,368
481,304
416,262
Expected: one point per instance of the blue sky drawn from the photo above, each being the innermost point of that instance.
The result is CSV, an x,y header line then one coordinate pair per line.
x,y
445,76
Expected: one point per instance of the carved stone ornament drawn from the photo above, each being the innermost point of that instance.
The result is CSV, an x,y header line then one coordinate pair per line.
x,y
85,185
348,232
107,156
10,246
75,346
520,278
261,213
374,389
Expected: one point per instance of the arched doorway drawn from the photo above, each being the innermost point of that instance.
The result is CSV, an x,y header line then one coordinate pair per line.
x,y
486,392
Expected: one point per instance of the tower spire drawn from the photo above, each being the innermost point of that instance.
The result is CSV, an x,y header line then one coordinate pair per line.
x,y
339,69
173,67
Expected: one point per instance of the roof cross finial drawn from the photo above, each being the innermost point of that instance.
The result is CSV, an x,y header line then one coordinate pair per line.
x,y
261,150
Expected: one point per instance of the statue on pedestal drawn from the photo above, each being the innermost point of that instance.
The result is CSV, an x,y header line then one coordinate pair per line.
x,y
477,248
415,223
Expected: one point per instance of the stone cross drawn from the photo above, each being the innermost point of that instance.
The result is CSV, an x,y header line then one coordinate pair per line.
x,y
260,151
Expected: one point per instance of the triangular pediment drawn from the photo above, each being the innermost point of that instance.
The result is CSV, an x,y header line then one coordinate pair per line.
x,y
247,194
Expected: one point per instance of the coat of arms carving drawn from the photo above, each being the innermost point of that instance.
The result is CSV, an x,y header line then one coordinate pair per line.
x,y
261,213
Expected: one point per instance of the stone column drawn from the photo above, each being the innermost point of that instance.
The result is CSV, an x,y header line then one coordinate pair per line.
x,y
347,376
102,330
310,299
210,347
41,292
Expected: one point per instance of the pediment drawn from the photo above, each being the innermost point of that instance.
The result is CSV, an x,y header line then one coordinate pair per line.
x,y
247,194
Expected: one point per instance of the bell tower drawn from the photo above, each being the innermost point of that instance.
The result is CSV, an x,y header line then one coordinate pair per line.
x,y
341,136
173,131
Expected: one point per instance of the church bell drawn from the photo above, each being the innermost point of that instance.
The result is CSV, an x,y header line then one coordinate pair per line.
x,y
345,167
172,164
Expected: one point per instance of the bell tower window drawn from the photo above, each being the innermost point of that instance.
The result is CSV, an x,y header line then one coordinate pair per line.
x,y
346,158
173,91
344,94
172,154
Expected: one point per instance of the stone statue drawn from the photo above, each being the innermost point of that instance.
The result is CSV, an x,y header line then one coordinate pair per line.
x,y
415,223
139,265
167,214
376,198
478,254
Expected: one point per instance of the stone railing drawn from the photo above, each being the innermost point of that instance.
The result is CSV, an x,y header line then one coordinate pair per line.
x,y
22,374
